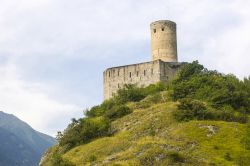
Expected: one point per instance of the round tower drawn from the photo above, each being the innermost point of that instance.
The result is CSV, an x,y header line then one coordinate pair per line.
x,y
164,41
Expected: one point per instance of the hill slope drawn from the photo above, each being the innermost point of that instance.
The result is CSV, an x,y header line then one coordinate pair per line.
x,y
200,118
20,144
152,136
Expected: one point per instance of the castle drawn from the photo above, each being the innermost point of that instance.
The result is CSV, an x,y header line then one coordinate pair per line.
x,y
163,67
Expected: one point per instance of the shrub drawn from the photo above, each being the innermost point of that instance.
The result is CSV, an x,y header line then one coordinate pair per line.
x,y
196,82
100,109
117,111
83,131
129,93
189,109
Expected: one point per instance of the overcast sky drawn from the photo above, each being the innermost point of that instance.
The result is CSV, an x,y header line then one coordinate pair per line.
x,y
53,52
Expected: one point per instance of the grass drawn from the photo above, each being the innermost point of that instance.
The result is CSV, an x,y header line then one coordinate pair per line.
x,y
151,136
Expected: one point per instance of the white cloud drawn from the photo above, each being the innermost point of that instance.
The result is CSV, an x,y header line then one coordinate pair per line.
x,y
27,101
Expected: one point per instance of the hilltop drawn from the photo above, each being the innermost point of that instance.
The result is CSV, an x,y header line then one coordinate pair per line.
x,y
200,118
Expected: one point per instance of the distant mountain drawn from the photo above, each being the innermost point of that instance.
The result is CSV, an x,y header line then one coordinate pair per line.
x,y
20,145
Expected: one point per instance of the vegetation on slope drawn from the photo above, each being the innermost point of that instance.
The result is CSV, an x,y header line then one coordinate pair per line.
x,y
201,118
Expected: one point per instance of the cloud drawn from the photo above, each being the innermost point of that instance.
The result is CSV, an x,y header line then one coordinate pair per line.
x,y
29,102
53,52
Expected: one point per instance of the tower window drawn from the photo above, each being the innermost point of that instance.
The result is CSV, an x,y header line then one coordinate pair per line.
x,y
109,73
137,73
154,30
162,29
144,72
130,74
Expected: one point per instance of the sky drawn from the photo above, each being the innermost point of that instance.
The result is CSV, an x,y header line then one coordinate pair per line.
x,y
53,52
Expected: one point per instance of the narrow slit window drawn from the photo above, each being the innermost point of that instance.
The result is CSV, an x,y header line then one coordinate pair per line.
x,y
137,73
130,74
144,72
109,73
162,29
154,30
118,72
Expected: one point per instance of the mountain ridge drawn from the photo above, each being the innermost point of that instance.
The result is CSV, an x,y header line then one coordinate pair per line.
x,y
21,145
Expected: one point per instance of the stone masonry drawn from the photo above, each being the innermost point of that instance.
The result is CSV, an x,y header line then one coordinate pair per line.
x,y
163,67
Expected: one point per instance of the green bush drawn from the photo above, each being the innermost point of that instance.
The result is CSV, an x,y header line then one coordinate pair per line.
x,y
227,95
132,93
189,109
99,110
84,130
196,82
117,111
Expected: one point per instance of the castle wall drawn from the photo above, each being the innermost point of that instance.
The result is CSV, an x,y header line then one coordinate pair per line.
x,y
142,74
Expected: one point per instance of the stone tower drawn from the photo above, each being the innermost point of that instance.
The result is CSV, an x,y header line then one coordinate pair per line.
x,y
163,66
164,41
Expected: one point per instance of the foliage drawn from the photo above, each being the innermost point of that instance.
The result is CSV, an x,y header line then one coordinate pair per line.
x,y
99,110
194,82
84,130
117,112
132,93
192,109
189,109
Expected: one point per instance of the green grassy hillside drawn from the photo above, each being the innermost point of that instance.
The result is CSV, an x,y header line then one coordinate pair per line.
x,y
158,125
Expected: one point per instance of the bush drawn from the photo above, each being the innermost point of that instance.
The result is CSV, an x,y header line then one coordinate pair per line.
x,y
196,82
129,93
117,112
132,93
100,109
217,90
83,131
189,109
